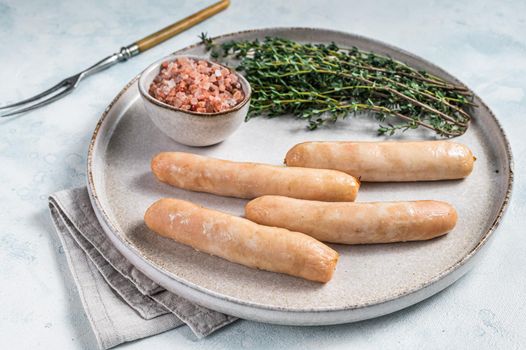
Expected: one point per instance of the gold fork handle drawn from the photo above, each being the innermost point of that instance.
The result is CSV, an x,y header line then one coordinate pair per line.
x,y
166,33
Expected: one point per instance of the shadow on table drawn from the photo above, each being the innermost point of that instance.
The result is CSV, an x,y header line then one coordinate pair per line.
x,y
254,335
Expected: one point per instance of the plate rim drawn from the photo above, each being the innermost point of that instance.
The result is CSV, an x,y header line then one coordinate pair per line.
x,y
99,209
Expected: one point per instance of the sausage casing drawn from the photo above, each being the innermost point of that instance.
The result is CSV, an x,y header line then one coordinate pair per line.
x,y
355,223
242,241
386,161
250,180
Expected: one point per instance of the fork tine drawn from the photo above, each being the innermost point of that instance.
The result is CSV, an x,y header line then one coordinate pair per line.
x,y
40,104
61,84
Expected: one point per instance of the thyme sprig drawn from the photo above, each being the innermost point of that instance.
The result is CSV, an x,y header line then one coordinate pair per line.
x,y
321,83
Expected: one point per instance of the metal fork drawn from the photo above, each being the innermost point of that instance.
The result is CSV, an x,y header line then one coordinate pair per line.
x,y
67,85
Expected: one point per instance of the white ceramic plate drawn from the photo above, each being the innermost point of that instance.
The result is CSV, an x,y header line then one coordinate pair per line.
x,y
369,280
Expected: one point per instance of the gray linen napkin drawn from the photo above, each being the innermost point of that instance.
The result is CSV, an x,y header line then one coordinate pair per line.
x,y
121,303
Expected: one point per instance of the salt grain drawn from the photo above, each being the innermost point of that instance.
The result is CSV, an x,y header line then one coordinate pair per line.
x,y
197,85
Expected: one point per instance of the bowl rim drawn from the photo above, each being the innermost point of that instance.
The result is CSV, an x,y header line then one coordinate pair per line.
x,y
245,85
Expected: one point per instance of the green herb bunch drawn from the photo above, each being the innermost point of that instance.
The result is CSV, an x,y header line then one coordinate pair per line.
x,y
321,83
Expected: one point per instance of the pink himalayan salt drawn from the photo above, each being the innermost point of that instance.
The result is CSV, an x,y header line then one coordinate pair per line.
x,y
197,85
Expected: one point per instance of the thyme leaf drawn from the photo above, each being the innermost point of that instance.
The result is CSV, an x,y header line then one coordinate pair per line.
x,y
322,83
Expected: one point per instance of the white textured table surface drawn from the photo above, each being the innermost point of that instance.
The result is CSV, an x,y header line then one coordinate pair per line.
x,y
481,42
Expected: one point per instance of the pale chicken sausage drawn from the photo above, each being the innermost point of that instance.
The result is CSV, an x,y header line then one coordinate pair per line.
x,y
355,223
242,241
386,161
250,180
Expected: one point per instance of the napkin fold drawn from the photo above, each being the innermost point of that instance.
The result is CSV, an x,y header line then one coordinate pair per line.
x,y
121,303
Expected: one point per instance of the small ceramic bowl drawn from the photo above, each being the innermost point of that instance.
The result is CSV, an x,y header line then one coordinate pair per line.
x,y
187,127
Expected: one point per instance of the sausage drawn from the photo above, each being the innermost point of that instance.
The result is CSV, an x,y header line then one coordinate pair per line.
x,y
242,241
251,180
355,223
386,161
